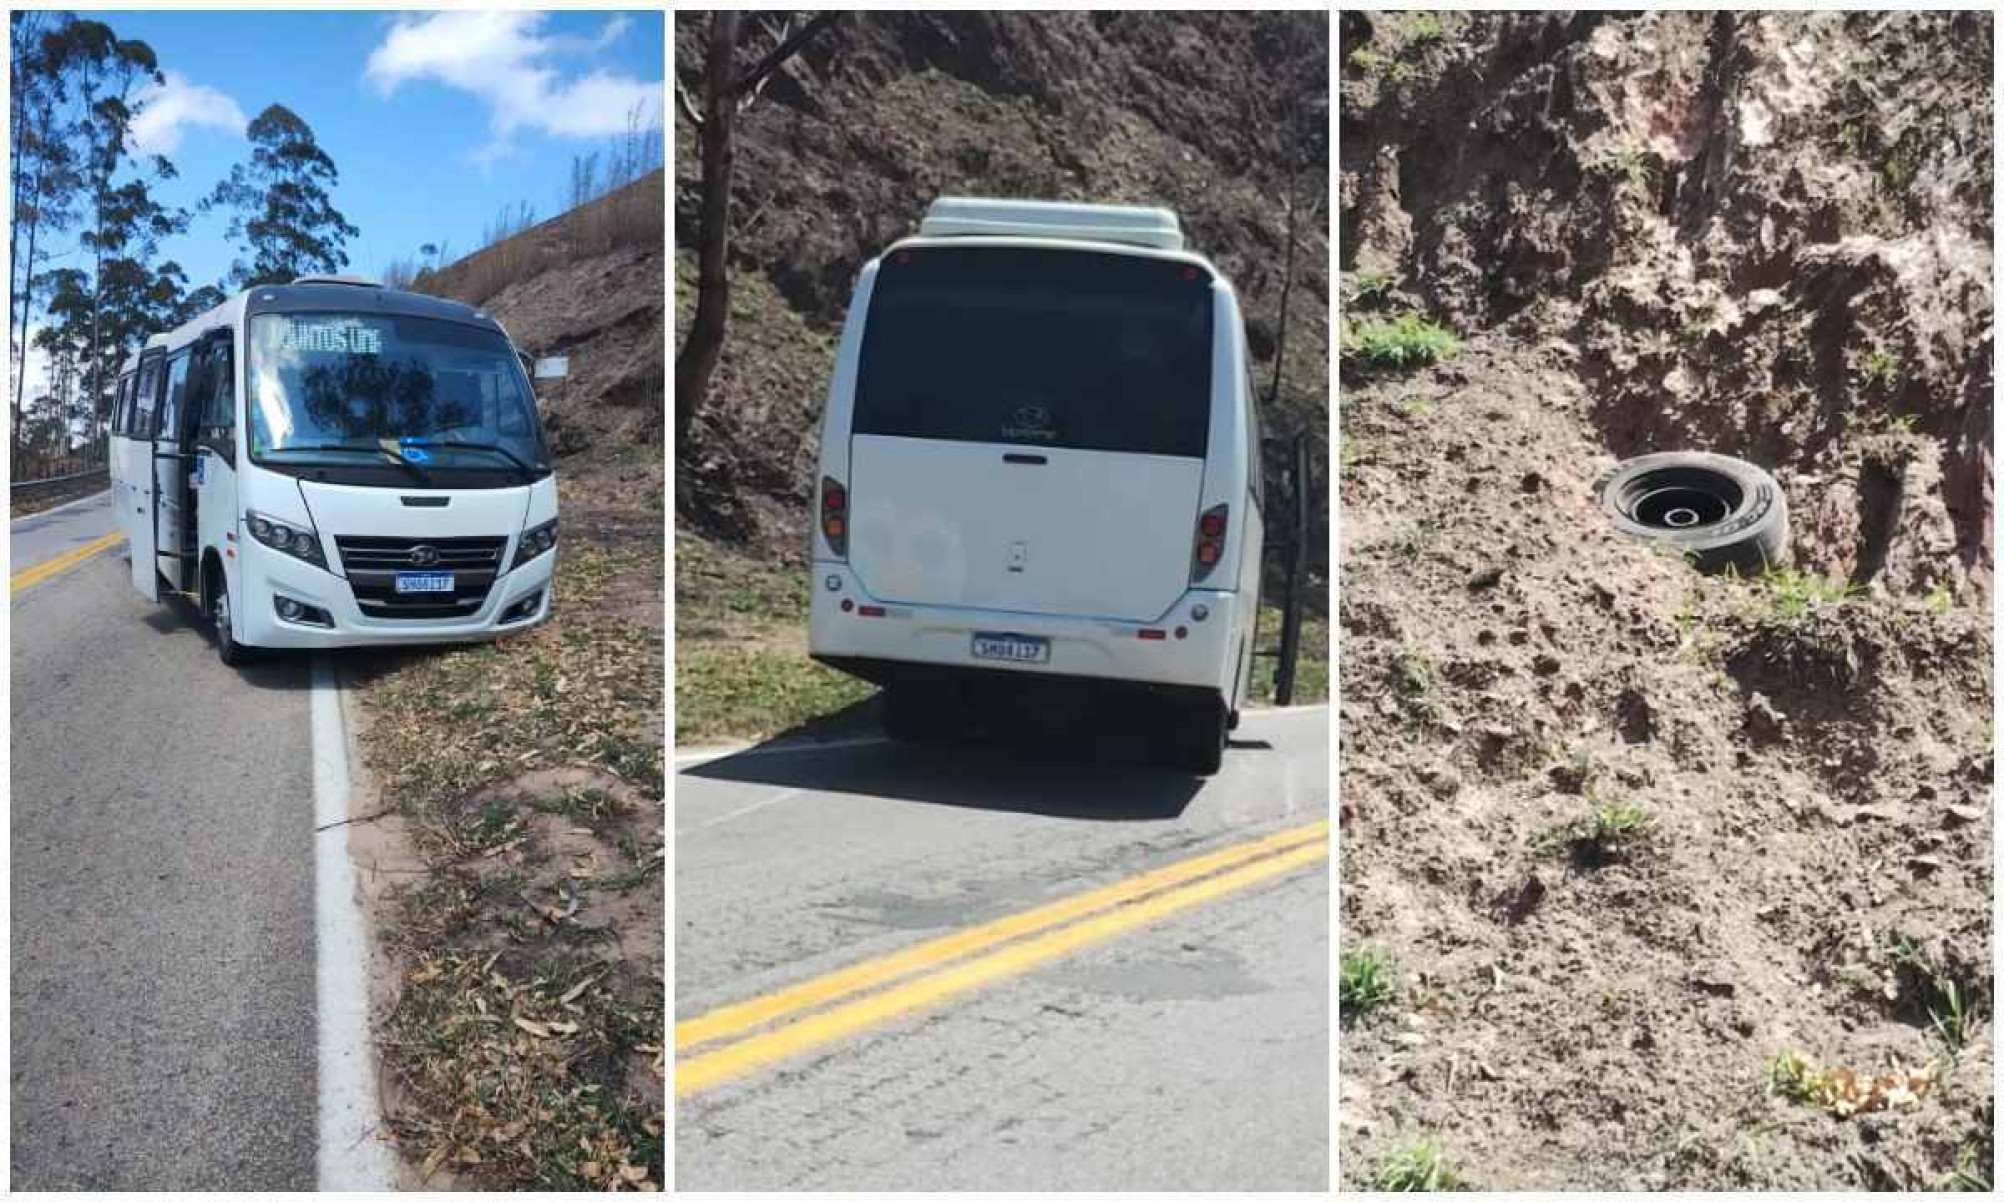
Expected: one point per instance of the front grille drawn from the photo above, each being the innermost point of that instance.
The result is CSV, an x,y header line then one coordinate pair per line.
x,y
372,564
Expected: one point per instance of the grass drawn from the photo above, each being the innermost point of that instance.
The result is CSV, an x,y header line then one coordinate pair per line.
x,y
1951,1010
1311,670
1610,828
741,665
1881,369
1424,30
1366,60
1371,288
1791,1075
1967,1175
1416,1166
1403,343
724,691
1792,595
1364,982
526,1039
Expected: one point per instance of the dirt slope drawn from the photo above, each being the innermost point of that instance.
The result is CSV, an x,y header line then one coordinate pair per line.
x,y
587,285
1762,235
887,111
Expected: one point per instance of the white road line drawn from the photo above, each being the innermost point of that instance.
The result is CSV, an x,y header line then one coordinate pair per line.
x,y
1282,711
351,1157
42,513
741,811
718,753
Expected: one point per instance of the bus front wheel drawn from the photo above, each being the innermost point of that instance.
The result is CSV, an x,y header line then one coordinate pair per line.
x,y
232,653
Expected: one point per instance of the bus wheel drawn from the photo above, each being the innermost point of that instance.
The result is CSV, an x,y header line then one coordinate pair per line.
x,y
1200,738
232,653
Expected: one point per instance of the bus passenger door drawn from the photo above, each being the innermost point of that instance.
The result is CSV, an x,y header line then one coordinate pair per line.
x,y
215,465
172,519
135,511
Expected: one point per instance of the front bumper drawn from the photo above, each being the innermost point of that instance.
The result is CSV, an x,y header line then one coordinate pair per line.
x,y
265,575
936,637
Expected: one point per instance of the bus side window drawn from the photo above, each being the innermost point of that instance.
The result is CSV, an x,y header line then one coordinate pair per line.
x,y
218,417
1255,449
121,413
170,401
149,389
196,393
221,418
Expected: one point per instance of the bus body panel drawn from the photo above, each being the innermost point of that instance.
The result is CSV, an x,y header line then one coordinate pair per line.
x,y
382,519
993,526
1102,541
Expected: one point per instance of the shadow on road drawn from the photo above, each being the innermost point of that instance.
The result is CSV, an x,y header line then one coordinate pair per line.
x,y
1098,774
281,671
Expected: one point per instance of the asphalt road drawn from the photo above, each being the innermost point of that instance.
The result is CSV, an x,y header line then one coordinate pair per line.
x,y
1187,1053
163,1030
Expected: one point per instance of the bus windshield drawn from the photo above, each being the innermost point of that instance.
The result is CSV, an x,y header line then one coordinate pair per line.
x,y
338,387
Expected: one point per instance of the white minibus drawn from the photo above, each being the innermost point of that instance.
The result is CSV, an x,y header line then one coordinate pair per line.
x,y
1040,476
331,463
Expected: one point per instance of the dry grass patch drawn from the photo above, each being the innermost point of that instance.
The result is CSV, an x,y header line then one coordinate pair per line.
x,y
524,1048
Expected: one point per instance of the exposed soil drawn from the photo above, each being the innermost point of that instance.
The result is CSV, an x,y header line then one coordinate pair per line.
x,y
1760,235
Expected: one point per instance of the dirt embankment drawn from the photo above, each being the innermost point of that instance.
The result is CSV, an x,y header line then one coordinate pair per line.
x,y
587,285
887,111
1656,857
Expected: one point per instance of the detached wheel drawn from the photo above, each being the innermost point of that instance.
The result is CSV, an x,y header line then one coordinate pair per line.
x,y
1719,511
232,653
1198,736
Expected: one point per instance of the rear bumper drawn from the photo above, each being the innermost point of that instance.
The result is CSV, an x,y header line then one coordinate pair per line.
x,y
927,640
266,575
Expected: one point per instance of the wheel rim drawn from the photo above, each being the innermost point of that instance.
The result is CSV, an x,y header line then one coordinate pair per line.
x,y
1679,498
223,618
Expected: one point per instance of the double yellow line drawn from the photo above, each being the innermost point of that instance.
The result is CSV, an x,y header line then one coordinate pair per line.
x,y
954,964
64,562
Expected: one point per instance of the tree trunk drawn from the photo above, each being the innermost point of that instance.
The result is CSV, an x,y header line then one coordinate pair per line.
x,y
704,344
27,307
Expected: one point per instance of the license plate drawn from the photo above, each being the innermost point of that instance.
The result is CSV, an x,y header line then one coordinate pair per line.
x,y
1016,648
424,582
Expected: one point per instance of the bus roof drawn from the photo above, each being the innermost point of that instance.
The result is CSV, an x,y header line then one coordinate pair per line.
x,y
1134,225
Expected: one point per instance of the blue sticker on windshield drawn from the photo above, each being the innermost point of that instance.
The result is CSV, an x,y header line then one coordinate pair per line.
x,y
416,454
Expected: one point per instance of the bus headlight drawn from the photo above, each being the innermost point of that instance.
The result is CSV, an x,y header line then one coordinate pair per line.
x,y
535,541
296,541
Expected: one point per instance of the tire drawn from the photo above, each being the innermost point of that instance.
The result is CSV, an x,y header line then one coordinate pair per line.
x,y
232,653
1721,513
1200,733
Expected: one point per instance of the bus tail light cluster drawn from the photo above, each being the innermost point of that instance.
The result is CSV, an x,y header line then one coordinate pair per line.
x,y
835,515
1211,527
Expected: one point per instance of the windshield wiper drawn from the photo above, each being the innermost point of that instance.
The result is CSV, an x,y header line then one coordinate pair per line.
x,y
423,476
528,473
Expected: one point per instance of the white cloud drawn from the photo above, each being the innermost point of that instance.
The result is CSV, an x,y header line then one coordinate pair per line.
x,y
169,109
503,58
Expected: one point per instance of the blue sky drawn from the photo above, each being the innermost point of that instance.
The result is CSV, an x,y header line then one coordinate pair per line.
x,y
436,121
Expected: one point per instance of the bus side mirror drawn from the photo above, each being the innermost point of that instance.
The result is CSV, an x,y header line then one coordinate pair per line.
x,y
554,368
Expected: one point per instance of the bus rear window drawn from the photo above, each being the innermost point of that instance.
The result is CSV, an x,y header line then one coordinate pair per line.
x,y
1050,348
